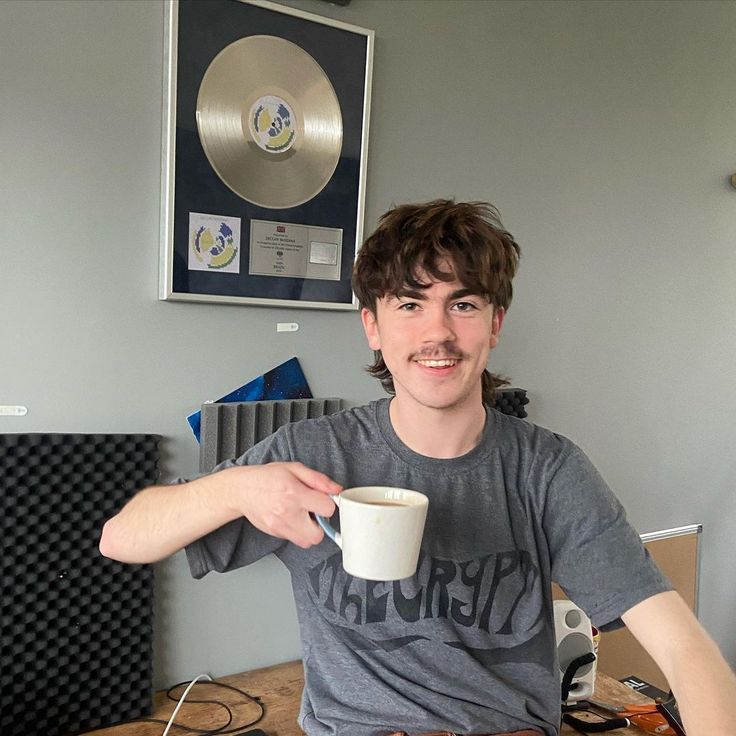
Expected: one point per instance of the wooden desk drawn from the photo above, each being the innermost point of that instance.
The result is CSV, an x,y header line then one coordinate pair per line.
x,y
279,689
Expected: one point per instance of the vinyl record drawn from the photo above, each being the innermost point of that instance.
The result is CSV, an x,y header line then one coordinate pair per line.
x,y
269,121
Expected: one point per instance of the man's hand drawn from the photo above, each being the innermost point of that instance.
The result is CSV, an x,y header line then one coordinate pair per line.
x,y
279,499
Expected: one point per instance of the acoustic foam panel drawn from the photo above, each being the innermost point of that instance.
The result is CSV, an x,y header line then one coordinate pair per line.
x,y
229,429
511,401
76,629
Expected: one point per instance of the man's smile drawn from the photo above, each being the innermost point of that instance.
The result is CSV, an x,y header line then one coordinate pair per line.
x,y
437,362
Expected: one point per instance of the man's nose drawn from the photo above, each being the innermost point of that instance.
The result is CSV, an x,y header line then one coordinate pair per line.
x,y
438,326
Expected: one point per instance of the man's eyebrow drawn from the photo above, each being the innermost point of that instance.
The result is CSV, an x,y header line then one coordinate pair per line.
x,y
410,294
460,293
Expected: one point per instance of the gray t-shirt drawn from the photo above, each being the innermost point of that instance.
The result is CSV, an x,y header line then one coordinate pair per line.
x,y
467,644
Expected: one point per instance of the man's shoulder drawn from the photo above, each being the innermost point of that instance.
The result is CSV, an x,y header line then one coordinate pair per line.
x,y
349,419
514,432
314,436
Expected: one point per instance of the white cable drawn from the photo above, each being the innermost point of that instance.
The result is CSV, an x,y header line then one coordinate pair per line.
x,y
182,698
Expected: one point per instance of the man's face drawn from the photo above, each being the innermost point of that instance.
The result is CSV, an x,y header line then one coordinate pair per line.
x,y
435,342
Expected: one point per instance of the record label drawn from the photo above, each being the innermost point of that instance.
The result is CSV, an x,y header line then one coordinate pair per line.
x,y
272,124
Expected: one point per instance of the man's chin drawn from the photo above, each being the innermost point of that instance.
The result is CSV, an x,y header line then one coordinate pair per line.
x,y
437,401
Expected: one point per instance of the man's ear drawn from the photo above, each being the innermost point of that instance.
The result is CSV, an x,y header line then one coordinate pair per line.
x,y
370,325
497,322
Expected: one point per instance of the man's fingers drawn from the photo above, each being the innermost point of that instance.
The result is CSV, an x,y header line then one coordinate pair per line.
x,y
284,499
303,531
311,535
318,503
314,479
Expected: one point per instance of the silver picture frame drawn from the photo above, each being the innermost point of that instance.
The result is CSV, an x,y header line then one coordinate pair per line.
x,y
192,190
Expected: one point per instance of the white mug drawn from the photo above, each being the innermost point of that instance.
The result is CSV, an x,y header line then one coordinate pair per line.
x,y
380,531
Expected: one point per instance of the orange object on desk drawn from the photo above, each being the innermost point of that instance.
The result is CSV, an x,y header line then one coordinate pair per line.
x,y
646,717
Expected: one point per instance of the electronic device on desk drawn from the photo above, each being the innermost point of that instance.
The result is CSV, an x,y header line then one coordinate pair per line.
x,y
671,712
575,651
645,688
665,702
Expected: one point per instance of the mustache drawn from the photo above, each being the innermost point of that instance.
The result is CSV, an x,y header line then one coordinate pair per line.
x,y
442,350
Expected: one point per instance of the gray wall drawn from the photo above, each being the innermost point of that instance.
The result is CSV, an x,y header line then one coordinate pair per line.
x,y
604,131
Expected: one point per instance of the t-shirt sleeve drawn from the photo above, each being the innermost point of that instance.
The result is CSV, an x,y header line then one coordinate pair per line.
x,y
597,557
238,543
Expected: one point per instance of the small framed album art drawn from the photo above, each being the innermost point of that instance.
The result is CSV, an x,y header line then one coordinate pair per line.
x,y
265,137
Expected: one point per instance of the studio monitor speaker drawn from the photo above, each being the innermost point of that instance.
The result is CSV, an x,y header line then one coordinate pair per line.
x,y
574,637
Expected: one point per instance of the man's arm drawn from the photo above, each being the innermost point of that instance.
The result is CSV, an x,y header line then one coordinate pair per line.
x,y
702,681
277,498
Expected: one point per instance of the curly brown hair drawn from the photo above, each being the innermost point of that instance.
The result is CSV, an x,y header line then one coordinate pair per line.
x,y
417,239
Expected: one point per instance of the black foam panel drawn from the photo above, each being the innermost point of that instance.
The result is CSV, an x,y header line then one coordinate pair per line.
x,y
76,629
511,401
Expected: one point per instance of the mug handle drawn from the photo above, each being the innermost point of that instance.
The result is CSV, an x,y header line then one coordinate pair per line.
x,y
333,534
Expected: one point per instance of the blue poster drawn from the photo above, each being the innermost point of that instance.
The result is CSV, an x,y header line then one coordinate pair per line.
x,y
285,381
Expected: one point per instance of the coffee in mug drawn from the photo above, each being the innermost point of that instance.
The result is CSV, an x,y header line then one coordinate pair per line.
x,y
385,503
381,531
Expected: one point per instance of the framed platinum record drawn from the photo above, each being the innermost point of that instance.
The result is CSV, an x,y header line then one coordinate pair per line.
x,y
265,137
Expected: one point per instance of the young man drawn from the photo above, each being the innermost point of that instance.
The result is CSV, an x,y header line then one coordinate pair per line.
x,y
466,645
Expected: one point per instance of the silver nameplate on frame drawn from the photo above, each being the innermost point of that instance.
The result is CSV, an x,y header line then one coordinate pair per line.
x,y
289,250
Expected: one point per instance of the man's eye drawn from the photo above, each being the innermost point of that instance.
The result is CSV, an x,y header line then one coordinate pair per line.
x,y
408,306
464,306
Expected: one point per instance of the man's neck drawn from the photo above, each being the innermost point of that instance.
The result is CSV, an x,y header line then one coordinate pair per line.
x,y
438,433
